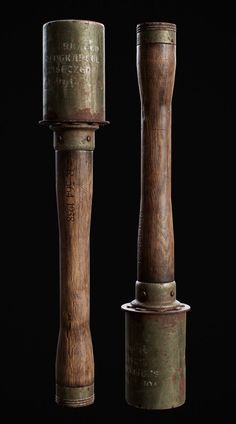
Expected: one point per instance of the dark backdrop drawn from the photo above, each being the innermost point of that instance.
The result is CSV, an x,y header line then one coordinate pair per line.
x,y
203,137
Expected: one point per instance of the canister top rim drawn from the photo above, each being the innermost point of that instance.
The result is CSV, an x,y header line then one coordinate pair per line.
x,y
73,21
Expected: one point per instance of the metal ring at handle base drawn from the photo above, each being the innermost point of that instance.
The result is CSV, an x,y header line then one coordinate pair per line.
x,y
74,397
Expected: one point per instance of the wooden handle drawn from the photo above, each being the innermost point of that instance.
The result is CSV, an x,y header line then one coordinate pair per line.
x,y
156,72
74,363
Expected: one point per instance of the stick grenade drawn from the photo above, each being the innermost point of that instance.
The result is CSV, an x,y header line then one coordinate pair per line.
x,y
155,320
74,107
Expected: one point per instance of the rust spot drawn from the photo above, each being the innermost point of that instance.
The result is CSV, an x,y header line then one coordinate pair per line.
x,y
86,115
82,116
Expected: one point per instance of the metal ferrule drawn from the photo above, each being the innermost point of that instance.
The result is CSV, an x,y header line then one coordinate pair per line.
x,y
156,32
74,137
74,397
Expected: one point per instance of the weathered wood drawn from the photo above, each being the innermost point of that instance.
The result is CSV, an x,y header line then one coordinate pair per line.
x,y
74,179
156,72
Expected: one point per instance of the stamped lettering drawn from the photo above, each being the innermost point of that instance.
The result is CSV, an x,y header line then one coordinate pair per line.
x,y
137,366
70,212
71,62
69,193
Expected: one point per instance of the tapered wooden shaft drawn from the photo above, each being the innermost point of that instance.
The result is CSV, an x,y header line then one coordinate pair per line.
x,y
74,176
156,72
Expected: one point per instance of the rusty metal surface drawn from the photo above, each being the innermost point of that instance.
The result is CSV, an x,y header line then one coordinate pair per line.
x,y
155,333
71,137
155,358
73,71
155,296
155,328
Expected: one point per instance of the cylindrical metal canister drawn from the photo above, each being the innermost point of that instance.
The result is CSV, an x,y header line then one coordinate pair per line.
x,y
73,72
155,357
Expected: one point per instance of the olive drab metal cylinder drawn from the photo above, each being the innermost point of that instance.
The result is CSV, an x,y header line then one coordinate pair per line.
x,y
73,71
155,334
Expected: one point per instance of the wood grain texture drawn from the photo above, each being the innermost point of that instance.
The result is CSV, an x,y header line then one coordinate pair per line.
x,y
156,73
74,177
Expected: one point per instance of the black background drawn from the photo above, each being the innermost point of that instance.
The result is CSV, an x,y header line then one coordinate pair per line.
x,y
203,141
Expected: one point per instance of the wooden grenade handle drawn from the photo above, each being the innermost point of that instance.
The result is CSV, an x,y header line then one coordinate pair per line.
x,y
74,362
156,73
